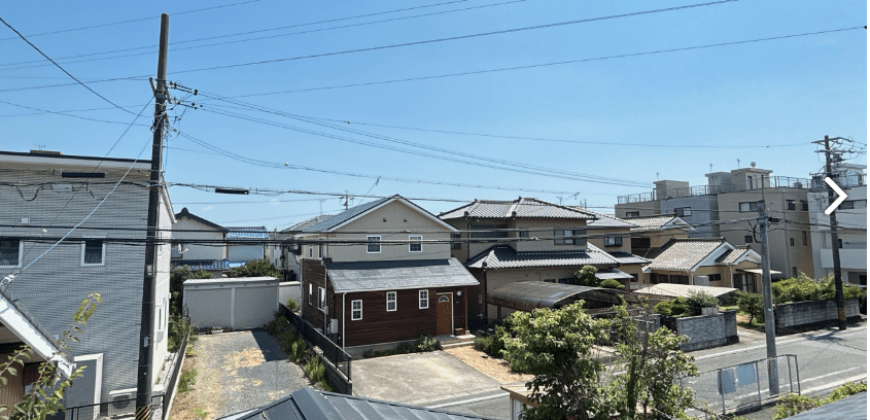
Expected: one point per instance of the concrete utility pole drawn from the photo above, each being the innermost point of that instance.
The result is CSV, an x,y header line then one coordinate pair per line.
x,y
835,242
769,321
146,349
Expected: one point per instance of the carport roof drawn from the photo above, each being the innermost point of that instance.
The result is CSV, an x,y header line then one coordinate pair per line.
x,y
229,280
309,404
350,277
684,290
529,295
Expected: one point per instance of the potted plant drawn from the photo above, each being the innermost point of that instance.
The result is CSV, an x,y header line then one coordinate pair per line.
x,y
217,330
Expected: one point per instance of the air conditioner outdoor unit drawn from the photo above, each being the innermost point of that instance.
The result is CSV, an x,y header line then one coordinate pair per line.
x,y
122,403
333,326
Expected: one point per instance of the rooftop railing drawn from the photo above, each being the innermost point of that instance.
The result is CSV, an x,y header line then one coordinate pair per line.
x,y
744,185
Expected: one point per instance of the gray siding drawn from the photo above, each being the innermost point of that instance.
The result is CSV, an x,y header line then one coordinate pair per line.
x,y
245,252
704,210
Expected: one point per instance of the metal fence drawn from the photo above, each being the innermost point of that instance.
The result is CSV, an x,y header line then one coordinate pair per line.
x,y
175,368
747,385
327,348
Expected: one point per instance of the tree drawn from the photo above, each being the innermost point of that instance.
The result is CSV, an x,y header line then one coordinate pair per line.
x,y
256,268
752,304
586,276
176,285
611,284
555,346
651,364
46,393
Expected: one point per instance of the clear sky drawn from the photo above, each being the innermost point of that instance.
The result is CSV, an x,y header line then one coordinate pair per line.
x,y
777,92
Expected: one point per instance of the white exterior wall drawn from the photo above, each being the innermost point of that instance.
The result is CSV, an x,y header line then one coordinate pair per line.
x,y
853,255
199,252
245,252
230,304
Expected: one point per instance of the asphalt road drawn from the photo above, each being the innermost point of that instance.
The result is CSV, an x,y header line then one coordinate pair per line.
x,y
825,360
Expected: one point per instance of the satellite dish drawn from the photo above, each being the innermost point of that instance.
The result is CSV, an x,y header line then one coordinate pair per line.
x,y
752,164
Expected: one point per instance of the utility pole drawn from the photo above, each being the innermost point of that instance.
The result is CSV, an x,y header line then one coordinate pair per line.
x,y
146,349
769,322
835,242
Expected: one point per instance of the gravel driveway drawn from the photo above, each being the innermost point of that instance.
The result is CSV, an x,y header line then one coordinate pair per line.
x,y
236,371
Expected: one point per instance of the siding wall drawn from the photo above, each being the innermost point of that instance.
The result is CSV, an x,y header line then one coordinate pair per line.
x,y
597,239
52,288
541,228
245,252
199,252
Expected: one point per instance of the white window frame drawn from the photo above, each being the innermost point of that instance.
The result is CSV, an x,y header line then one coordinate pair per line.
x,y
683,211
423,300
523,233
411,244
102,257
321,298
369,243
352,310
20,253
310,293
613,240
395,301
453,241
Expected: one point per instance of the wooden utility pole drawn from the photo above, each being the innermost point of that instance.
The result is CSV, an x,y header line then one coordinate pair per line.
x,y
767,295
835,240
146,348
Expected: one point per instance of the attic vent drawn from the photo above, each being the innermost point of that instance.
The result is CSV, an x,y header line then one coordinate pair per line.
x,y
83,174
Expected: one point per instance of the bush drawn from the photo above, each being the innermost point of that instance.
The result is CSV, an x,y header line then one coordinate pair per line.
x,y
186,380
698,300
752,304
425,343
257,268
803,288
405,348
315,370
678,307
325,385
665,308
177,330
293,305
291,343
793,404
846,390
586,276
611,284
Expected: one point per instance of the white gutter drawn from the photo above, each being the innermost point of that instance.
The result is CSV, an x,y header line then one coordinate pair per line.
x,y
24,329
343,305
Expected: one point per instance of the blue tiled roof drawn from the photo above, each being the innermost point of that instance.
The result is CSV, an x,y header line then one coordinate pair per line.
x,y
208,265
247,232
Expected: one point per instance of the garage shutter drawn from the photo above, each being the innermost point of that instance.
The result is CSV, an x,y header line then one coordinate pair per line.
x,y
255,306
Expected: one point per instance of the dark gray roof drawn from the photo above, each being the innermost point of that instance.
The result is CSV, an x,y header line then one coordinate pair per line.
x,y
529,295
247,232
609,221
299,227
402,274
849,408
309,404
505,256
344,216
520,208
628,258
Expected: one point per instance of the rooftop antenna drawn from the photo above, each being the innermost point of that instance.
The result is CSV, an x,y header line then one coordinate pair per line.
x,y
657,176
711,168
738,163
40,146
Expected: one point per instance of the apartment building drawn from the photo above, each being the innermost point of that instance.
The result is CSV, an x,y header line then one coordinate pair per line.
x,y
44,194
726,207
851,220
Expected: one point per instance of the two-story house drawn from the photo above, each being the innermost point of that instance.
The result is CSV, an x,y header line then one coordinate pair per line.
x,y
613,235
707,262
217,257
526,239
381,273
43,195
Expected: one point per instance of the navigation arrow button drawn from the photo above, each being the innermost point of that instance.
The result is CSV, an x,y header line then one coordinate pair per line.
x,y
840,193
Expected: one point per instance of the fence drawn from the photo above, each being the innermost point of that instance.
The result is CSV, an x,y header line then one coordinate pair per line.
x,y
175,367
339,360
747,385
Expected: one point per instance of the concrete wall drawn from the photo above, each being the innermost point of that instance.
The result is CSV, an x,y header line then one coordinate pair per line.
x,y
704,211
290,289
792,316
705,332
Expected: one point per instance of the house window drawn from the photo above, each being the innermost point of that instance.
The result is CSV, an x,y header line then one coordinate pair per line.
x,y
634,278
747,239
391,301
374,245
632,214
10,253
804,205
750,206
640,243
683,211
715,277
523,233
804,233
310,251
321,298
791,241
454,241
424,299
790,205
613,240
355,310
576,236
310,293
93,252
416,244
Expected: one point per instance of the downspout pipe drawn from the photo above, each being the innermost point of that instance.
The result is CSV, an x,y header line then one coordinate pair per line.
x,y
343,306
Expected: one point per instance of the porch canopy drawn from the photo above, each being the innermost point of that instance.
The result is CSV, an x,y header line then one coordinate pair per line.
x,y
612,273
529,295
757,271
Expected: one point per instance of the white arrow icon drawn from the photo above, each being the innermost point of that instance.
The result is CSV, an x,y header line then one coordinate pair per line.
x,y
840,193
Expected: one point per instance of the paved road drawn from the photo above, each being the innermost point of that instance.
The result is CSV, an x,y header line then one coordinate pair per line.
x,y
826,359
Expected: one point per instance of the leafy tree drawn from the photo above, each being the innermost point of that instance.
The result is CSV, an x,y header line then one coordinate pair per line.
x,y
752,304
555,346
176,285
611,284
256,268
586,276
651,366
46,393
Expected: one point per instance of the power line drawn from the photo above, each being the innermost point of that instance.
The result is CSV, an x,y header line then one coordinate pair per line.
x,y
45,111
61,68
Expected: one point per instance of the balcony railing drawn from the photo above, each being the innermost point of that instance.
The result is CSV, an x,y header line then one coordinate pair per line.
x,y
700,190
844,181
637,198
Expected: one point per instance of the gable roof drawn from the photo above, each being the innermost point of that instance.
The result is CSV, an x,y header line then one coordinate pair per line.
x,y
354,213
610,221
736,255
395,275
310,404
27,328
505,256
247,232
299,227
686,254
628,258
188,214
658,222
524,208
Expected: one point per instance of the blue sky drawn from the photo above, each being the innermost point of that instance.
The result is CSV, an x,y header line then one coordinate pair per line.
x,y
787,91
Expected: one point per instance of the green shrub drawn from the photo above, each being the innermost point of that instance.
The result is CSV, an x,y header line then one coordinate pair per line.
x,y
804,288
293,305
325,385
752,304
177,329
186,380
698,300
846,390
665,308
315,370
483,343
425,343
405,348
611,284
793,404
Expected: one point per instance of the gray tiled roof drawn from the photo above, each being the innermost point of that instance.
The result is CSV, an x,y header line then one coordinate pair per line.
x,y
346,215
849,408
299,227
504,256
402,274
519,208
733,255
610,221
684,254
309,404
247,232
650,223
629,258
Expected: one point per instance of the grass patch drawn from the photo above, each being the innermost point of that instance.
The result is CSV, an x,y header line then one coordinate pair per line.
x,y
186,381
200,413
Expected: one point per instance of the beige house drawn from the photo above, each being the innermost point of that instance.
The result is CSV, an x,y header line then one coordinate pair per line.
x,y
614,236
707,262
527,240
650,233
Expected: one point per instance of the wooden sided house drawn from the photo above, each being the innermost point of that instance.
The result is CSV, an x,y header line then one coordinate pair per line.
x,y
381,273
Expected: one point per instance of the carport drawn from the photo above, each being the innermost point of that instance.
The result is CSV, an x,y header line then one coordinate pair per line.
x,y
529,295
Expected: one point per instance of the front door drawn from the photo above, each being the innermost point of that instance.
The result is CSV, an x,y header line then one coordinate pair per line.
x,y
445,315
